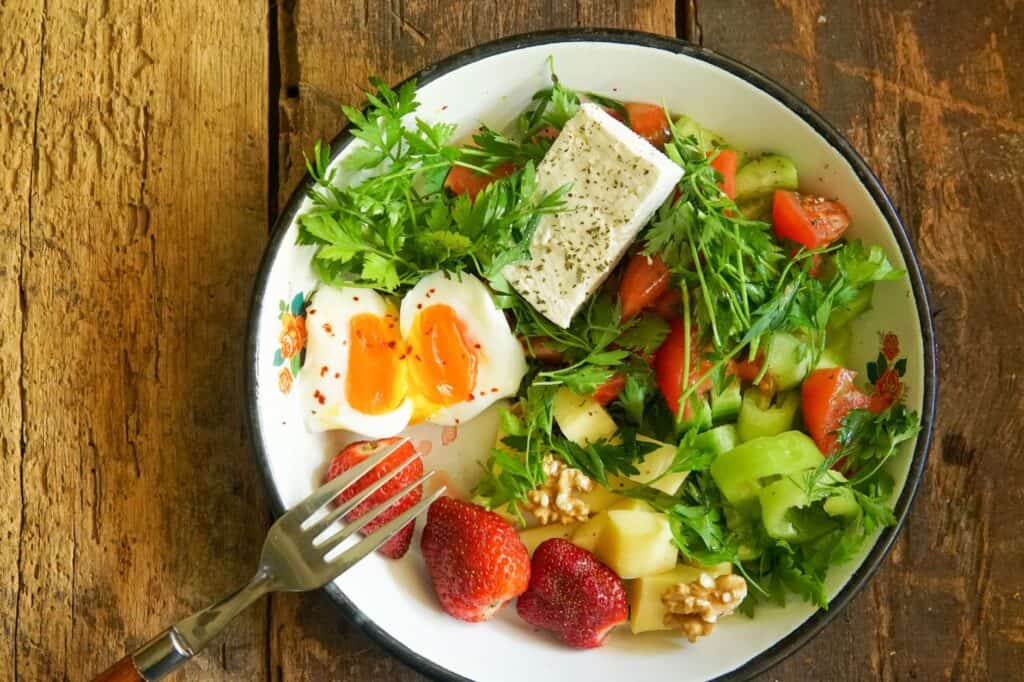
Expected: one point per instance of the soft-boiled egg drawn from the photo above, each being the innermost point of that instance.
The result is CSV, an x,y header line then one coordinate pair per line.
x,y
354,357
461,354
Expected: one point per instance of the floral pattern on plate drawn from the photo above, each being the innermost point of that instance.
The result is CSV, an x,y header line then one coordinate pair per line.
x,y
291,352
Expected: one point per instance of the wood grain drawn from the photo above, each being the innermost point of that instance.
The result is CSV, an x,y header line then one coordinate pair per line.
x,y
326,53
931,94
143,147
19,96
134,172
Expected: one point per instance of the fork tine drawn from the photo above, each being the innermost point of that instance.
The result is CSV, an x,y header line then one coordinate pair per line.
x,y
346,559
317,527
328,491
332,541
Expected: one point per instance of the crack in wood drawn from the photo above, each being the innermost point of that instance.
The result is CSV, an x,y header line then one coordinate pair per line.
x,y
25,245
688,22
273,113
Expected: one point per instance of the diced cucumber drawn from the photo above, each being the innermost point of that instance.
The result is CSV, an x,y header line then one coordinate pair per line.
x,y
718,440
756,208
739,472
759,417
700,417
860,304
764,175
726,405
787,361
708,140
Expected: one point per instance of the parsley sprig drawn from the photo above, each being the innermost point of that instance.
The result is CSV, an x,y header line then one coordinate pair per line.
x,y
391,222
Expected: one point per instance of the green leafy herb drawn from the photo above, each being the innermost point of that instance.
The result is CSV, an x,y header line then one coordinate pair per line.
x,y
695,515
705,240
867,440
594,347
606,457
388,229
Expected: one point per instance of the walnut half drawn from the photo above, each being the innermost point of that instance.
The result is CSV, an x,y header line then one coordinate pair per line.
x,y
696,607
557,499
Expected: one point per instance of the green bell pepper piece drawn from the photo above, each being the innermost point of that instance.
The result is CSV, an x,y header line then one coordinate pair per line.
x,y
742,472
700,418
726,405
842,504
758,417
718,440
788,514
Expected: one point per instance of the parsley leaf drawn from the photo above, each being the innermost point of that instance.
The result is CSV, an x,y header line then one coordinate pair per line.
x,y
391,222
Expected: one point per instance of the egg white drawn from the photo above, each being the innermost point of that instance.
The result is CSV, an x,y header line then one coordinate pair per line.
x,y
501,363
328,318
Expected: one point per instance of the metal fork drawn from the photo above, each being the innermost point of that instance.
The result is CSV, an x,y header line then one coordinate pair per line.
x,y
298,555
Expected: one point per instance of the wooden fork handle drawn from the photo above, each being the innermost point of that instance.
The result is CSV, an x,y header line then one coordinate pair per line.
x,y
122,671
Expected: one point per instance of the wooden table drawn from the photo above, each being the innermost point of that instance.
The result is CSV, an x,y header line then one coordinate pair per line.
x,y
146,146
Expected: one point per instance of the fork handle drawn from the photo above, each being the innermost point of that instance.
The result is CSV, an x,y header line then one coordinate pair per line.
x,y
122,671
160,656
176,645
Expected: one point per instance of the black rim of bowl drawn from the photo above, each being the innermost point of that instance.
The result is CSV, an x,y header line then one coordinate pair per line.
x,y
813,625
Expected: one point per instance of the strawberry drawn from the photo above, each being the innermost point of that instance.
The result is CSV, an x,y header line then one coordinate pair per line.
x,y
572,594
475,559
355,453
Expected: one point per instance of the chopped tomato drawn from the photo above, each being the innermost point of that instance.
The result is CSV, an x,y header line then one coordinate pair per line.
x,y
649,122
669,364
808,220
725,162
666,306
645,279
827,396
462,180
609,390
748,370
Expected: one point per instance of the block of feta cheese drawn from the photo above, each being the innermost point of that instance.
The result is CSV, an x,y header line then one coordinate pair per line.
x,y
618,181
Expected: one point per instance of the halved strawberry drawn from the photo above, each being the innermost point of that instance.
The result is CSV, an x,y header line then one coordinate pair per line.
x,y
355,453
573,594
476,560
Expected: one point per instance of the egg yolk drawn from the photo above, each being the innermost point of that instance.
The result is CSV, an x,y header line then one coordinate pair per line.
x,y
374,382
442,356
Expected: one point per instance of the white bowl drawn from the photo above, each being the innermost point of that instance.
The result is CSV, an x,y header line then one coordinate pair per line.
x,y
393,601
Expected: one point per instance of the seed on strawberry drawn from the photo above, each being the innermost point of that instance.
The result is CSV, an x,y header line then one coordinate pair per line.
x,y
572,594
355,453
476,560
